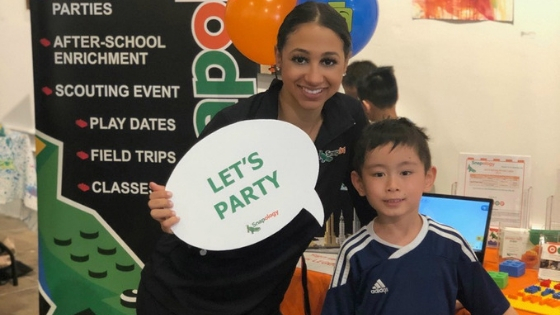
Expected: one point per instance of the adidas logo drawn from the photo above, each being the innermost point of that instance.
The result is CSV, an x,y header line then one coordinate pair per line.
x,y
379,287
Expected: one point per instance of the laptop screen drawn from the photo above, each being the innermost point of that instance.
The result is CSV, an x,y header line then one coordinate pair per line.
x,y
468,215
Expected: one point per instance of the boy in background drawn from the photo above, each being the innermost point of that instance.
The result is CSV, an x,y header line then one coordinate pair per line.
x,y
355,72
379,93
403,262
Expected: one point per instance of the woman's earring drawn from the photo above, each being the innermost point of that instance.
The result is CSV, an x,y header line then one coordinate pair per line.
x,y
276,71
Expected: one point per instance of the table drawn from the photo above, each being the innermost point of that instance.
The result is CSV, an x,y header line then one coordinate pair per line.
x,y
515,284
319,282
317,285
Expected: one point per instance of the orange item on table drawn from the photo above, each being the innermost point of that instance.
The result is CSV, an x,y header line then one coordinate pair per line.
x,y
317,286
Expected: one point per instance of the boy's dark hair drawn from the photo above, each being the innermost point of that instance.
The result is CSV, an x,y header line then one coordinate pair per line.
x,y
379,87
320,13
356,71
399,131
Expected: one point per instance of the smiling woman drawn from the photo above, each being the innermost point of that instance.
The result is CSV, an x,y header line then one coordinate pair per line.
x,y
312,50
312,72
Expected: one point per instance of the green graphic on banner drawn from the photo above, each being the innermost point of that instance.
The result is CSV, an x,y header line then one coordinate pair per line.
x,y
80,252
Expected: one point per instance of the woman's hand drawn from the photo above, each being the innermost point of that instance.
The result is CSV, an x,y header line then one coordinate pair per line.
x,y
161,207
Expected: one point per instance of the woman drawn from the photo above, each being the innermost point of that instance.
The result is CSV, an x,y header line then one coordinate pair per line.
x,y
312,52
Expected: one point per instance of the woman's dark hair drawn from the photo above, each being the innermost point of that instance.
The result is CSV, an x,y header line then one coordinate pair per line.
x,y
321,13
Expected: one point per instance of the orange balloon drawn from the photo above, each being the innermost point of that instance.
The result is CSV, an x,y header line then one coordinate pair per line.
x,y
253,25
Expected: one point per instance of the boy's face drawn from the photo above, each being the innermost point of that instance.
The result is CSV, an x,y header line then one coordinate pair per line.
x,y
393,180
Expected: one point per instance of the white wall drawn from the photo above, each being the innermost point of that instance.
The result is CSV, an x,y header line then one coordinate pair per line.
x,y
479,87
16,66
482,87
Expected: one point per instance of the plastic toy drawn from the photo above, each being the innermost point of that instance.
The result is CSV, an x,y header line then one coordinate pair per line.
x,y
537,299
532,289
501,278
547,291
531,257
514,268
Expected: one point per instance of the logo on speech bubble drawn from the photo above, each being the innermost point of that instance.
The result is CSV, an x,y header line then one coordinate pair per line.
x,y
243,183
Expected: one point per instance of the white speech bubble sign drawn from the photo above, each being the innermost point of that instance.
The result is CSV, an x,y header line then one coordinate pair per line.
x,y
243,183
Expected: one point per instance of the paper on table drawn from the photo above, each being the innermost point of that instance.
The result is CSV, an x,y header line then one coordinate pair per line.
x,y
503,178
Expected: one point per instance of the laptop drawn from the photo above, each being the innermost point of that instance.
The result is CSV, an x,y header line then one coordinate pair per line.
x,y
468,215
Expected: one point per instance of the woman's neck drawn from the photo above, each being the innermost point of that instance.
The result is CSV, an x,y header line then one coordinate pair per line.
x,y
309,121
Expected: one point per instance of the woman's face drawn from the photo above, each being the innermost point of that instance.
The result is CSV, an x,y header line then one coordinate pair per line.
x,y
312,63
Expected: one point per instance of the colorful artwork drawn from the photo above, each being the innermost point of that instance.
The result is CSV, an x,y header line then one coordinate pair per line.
x,y
470,10
17,169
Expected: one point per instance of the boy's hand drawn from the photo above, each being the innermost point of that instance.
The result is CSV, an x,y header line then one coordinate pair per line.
x,y
511,311
161,207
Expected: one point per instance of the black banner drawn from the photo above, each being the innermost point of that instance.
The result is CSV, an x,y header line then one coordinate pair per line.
x,y
122,89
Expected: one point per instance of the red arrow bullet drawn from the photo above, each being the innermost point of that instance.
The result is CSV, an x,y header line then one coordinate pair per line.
x,y
82,155
45,42
83,187
46,90
81,123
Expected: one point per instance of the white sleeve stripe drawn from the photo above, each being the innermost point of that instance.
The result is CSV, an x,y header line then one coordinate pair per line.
x,y
441,226
447,228
342,267
457,239
342,253
450,230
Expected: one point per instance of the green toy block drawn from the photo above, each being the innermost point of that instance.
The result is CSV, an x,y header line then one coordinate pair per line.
x,y
501,278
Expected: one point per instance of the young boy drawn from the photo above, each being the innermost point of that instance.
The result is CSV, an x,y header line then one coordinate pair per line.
x,y
355,72
404,263
379,93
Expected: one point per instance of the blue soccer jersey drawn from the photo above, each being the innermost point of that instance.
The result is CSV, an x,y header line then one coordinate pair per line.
x,y
424,277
